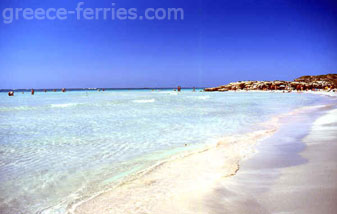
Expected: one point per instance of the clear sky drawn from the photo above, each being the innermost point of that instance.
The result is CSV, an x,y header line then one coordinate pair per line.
x,y
218,41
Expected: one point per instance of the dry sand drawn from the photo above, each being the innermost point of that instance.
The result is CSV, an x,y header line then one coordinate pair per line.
x,y
285,176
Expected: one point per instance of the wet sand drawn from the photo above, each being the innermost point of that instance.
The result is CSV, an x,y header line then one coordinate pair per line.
x,y
293,172
178,185
285,176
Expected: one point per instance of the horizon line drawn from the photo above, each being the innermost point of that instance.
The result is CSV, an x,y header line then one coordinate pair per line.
x,y
149,88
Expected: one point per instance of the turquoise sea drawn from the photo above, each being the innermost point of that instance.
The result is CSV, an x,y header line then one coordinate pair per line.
x,y
58,148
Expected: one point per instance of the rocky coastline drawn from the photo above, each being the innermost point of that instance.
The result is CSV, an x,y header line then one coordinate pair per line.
x,y
320,82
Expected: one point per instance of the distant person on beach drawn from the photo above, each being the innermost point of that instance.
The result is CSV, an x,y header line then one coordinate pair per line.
x,y
11,93
33,91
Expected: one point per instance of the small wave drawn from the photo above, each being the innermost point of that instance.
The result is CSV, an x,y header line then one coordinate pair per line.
x,y
64,105
169,92
203,97
144,101
18,108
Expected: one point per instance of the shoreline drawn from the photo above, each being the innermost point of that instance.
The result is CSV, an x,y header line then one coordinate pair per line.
x,y
224,158
151,163
292,174
145,181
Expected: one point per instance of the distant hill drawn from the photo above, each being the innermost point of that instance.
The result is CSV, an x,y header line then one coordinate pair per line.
x,y
328,81
330,78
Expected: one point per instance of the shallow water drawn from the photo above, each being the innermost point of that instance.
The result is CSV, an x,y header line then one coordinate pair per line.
x,y
59,147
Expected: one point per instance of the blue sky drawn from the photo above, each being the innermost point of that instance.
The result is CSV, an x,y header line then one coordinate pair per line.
x,y
218,42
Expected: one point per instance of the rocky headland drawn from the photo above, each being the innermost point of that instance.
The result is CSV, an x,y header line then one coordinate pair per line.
x,y
325,82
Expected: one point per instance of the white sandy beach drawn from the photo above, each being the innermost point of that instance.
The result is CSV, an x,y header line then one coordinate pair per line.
x,y
178,185
229,178
168,107
287,176
150,152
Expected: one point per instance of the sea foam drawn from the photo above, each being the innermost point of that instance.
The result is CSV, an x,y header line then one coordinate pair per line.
x,y
144,101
